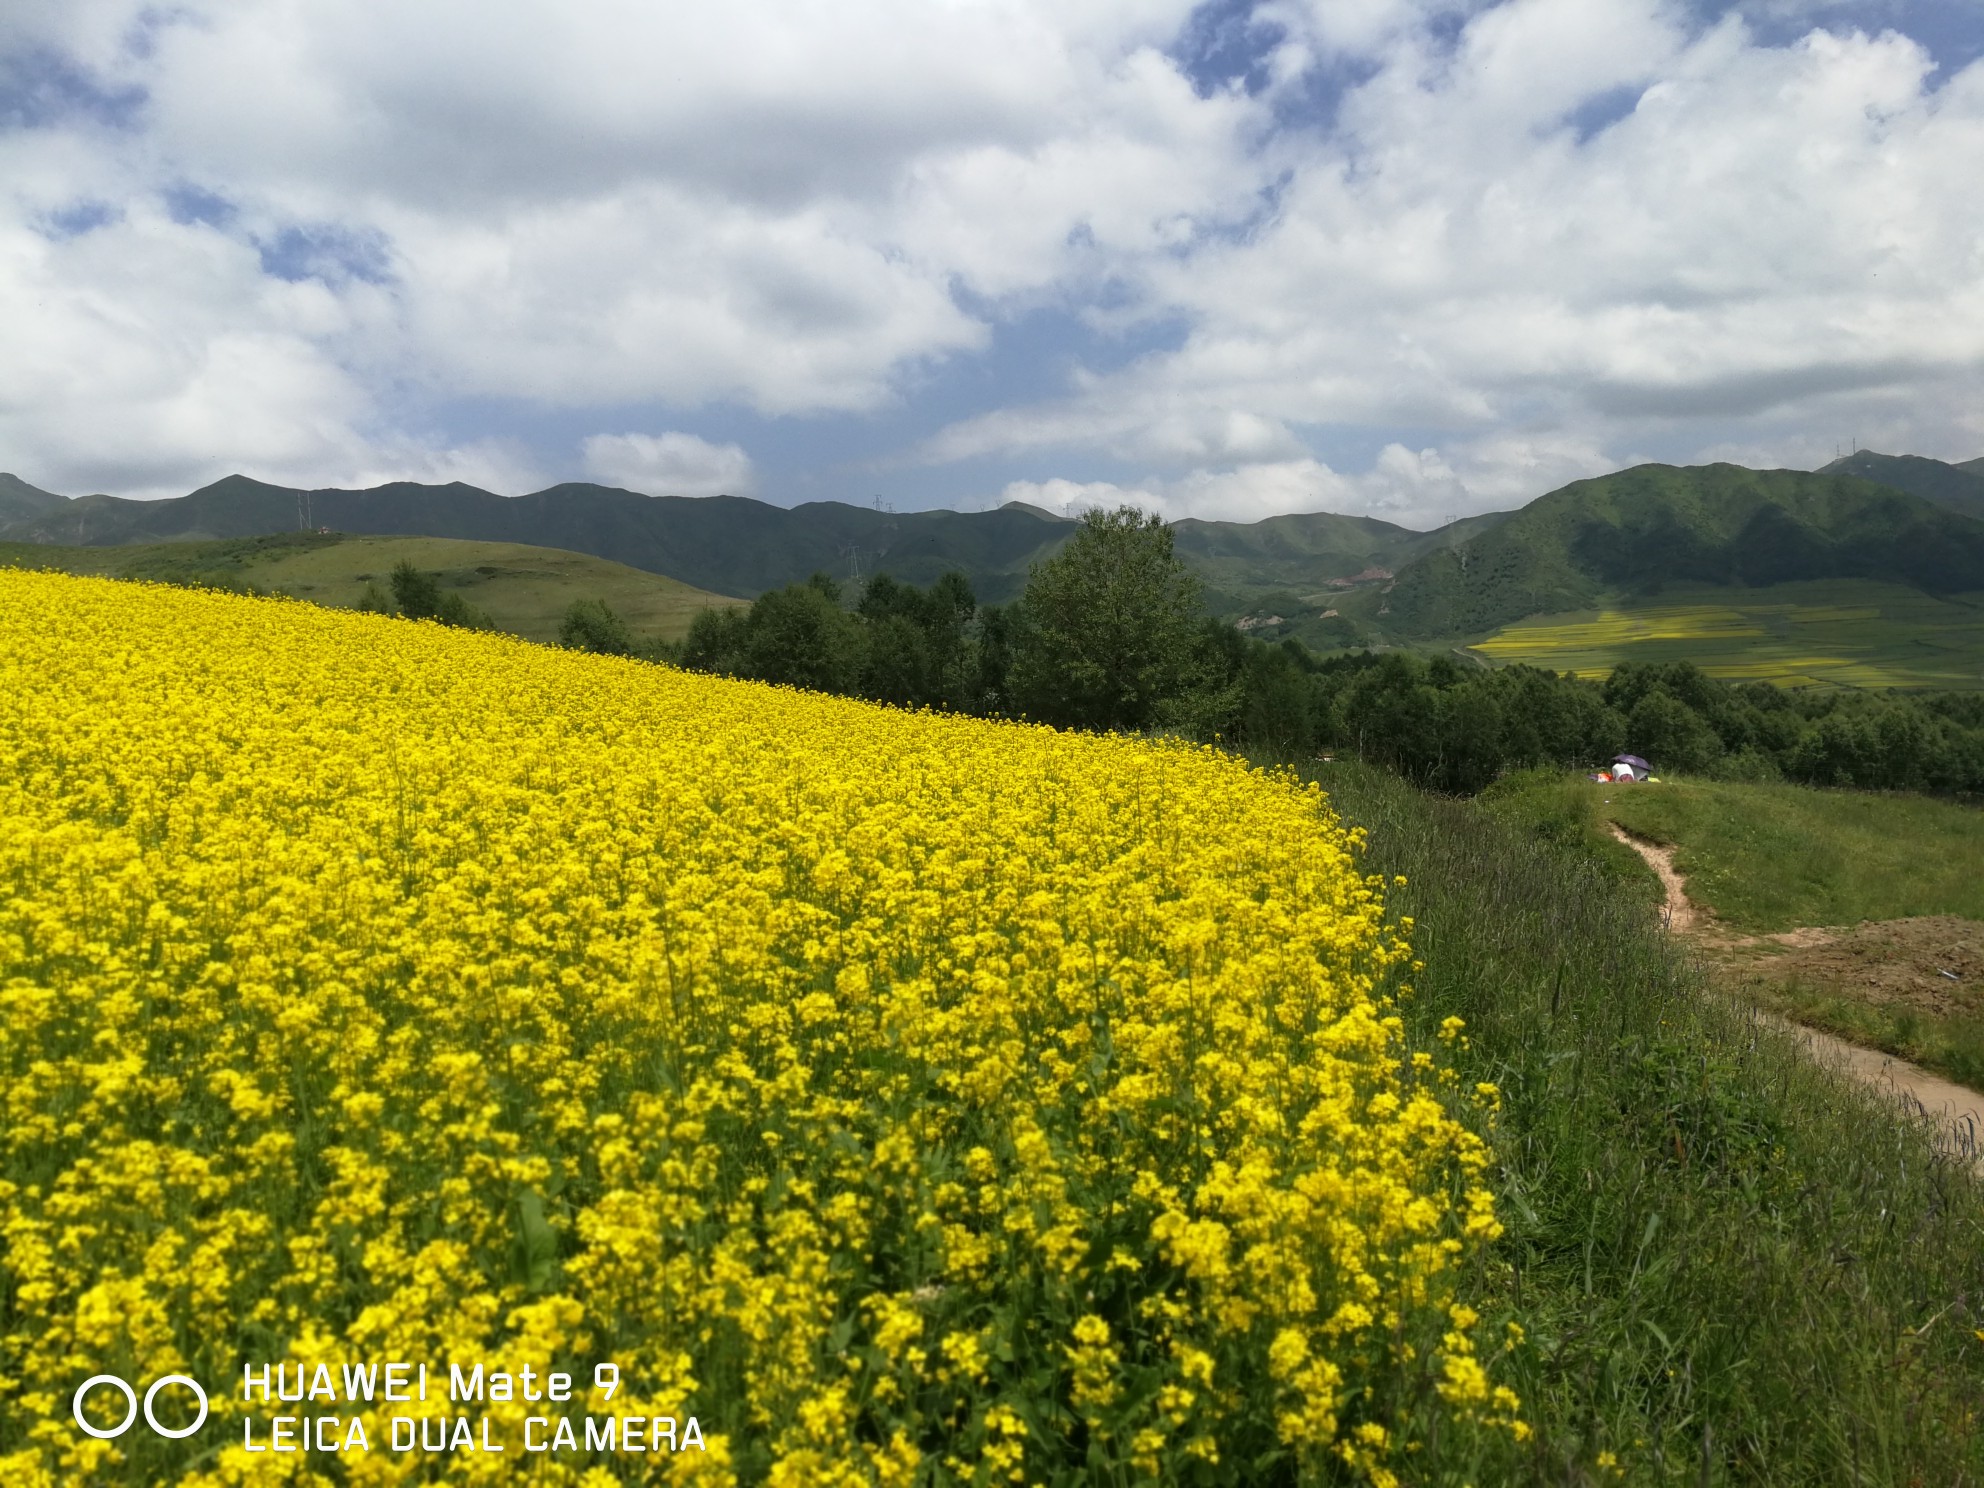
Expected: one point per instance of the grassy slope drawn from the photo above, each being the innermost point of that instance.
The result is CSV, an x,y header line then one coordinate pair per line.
x,y
1766,858
727,545
524,590
1725,1257
1959,487
1639,530
730,545
1826,633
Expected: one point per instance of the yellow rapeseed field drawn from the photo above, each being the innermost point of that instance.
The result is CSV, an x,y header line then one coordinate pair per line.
x,y
903,1097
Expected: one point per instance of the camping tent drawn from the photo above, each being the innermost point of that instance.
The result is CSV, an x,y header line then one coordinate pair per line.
x,y
1630,767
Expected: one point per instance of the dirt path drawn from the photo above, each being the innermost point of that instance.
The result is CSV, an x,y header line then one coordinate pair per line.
x,y
1958,1112
1679,912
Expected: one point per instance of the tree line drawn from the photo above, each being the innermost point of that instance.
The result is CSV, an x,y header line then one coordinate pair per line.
x,y
1109,634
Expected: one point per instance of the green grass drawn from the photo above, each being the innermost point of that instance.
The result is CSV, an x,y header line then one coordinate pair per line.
x,y
1733,1266
1645,530
1952,1047
1771,858
524,590
1821,633
1766,858
1565,812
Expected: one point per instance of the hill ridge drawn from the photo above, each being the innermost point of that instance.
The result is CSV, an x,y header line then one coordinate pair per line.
x,y
732,545
20,500
1958,487
1636,530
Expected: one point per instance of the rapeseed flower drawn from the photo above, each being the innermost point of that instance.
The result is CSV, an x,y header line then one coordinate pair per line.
x,y
897,1094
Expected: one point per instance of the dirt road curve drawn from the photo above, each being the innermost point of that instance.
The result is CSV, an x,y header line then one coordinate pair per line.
x,y
1958,1112
1680,910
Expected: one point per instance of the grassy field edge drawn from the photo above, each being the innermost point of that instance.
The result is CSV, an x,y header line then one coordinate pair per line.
x,y
1732,1266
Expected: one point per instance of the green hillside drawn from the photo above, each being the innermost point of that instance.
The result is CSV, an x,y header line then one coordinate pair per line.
x,y
1300,552
1611,545
1958,487
524,590
723,544
1312,576
21,502
1642,531
733,545
1768,858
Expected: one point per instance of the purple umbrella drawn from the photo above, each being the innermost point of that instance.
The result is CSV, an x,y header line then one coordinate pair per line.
x,y
1631,759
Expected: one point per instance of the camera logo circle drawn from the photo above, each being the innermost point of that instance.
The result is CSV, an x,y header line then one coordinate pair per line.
x,y
131,1401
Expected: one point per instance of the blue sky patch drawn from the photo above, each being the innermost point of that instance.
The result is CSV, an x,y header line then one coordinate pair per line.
x,y
187,204
40,88
80,217
325,251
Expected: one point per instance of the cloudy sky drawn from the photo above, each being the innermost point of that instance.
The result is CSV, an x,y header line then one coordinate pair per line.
x,y
1412,257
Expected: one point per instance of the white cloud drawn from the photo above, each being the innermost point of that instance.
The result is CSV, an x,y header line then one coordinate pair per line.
x,y
1532,238
747,203
141,354
610,204
1173,434
1767,239
672,464
1414,488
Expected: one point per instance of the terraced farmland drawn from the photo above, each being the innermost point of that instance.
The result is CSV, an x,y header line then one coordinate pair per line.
x,y
1833,633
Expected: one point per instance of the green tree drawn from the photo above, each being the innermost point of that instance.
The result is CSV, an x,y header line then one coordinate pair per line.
x,y
1471,748
1391,715
1670,734
420,597
715,642
1278,704
1108,627
800,635
418,594
591,625
454,610
990,678
897,666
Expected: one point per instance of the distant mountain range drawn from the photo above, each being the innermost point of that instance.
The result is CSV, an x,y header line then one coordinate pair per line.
x,y
726,544
1896,518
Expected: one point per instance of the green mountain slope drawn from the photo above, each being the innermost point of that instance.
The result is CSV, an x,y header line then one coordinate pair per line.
x,y
1958,487
523,590
20,501
726,544
1302,551
730,545
1636,531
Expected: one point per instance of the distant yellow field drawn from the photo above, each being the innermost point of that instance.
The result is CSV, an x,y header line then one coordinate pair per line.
x,y
1845,633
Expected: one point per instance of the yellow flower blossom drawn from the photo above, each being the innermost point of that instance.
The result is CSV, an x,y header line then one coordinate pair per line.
x,y
372,991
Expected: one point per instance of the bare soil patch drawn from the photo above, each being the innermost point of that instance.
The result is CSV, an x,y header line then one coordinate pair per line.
x,y
1934,965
